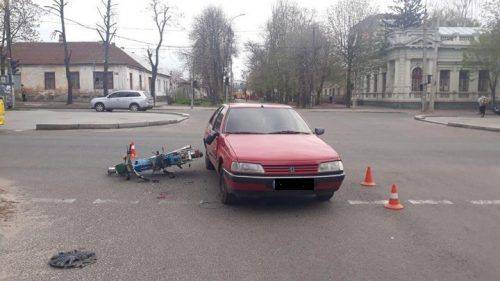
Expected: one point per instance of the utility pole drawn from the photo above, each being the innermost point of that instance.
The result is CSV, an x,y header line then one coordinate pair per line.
x,y
435,83
311,87
424,66
9,51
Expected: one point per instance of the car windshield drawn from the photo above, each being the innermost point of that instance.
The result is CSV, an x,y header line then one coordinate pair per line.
x,y
265,121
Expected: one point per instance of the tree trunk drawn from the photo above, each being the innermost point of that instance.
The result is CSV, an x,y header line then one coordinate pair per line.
x,y
152,87
348,95
66,55
106,49
493,87
105,77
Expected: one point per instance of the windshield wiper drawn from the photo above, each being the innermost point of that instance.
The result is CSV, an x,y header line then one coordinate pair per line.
x,y
289,132
245,133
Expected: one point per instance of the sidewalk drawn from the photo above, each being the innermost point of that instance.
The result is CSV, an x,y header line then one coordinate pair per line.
x,y
85,105
490,122
58,119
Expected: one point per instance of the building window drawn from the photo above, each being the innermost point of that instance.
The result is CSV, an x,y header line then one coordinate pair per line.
x,y
368,83
99,80
466,38
75,80
140,82
50,80
150,85
131,81
484,80
416,80
384,82
446,38
375,83
444,81
463,83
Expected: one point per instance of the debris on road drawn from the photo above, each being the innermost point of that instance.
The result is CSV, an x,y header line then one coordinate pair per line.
x,y
72,259
157,162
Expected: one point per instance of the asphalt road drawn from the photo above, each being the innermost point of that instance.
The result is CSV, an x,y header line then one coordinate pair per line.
x,y
140,237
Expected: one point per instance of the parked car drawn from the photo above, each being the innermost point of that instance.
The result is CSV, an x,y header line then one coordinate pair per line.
x,y
132,100
260,150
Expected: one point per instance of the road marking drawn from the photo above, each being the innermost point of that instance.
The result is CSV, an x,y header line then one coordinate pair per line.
x,y
52,200
485,202
431,202
377,202
174,202
113,201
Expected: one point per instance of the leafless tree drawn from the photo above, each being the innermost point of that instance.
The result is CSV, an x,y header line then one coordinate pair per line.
x,y
294,61
58,7
107,31
161,16
213,46
24,23
347,36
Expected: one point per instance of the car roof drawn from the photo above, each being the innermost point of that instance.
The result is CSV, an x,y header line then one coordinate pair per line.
x,y
257,105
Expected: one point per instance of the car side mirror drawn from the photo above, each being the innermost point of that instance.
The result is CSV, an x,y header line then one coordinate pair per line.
x,y
211,137
319,131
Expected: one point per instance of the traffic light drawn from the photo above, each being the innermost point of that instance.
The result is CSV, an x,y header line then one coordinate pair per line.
x,y
14,64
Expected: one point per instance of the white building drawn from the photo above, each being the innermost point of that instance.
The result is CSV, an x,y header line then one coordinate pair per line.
x,y
401,82
43,75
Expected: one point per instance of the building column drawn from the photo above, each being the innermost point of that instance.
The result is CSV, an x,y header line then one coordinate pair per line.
x,y
454,78
473,81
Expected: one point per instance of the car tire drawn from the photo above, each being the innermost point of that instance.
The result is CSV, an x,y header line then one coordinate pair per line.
x,y
325,197
226,198
208,164
134,107
99,107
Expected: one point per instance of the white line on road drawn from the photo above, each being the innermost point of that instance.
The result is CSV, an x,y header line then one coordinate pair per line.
x,y
52,200
174,202
431,202
377,202
485,202
113,201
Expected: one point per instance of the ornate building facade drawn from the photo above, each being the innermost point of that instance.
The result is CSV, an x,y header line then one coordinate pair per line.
x,y
406,77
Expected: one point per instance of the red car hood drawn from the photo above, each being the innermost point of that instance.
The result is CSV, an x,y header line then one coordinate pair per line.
x,y
280,149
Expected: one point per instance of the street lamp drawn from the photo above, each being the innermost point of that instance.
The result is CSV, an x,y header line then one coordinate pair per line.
x,y
228,56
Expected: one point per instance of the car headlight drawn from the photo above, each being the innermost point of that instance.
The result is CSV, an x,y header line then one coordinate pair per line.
x,y
247,168
334,166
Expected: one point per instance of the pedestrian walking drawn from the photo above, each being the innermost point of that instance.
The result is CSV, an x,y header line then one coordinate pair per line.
x,y
482,102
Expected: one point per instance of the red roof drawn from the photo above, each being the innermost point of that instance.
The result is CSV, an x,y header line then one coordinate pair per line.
x,y
52,53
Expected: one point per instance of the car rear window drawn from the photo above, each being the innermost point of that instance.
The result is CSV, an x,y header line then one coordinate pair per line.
x,y
265,121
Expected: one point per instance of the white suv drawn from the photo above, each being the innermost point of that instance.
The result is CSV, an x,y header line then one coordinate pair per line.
x,y
132,100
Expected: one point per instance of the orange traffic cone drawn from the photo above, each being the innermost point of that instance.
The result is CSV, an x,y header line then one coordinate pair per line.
x,y
393,203
368,178
132,150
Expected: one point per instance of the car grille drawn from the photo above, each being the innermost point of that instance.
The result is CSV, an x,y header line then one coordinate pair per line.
x,y
291,169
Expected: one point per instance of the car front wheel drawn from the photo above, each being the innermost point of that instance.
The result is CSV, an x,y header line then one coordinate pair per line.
x,y
99,107
225,197
325,197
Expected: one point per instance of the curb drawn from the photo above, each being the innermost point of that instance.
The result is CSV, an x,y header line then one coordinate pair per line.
x,y
51,127
459,125
456,125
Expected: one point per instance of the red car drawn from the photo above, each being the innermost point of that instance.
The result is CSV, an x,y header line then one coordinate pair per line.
x,y
261,149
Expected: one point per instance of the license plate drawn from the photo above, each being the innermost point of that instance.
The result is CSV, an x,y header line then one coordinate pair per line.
x,y
294,184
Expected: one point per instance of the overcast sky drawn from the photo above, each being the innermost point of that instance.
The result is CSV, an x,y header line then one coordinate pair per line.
x,y
134,22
